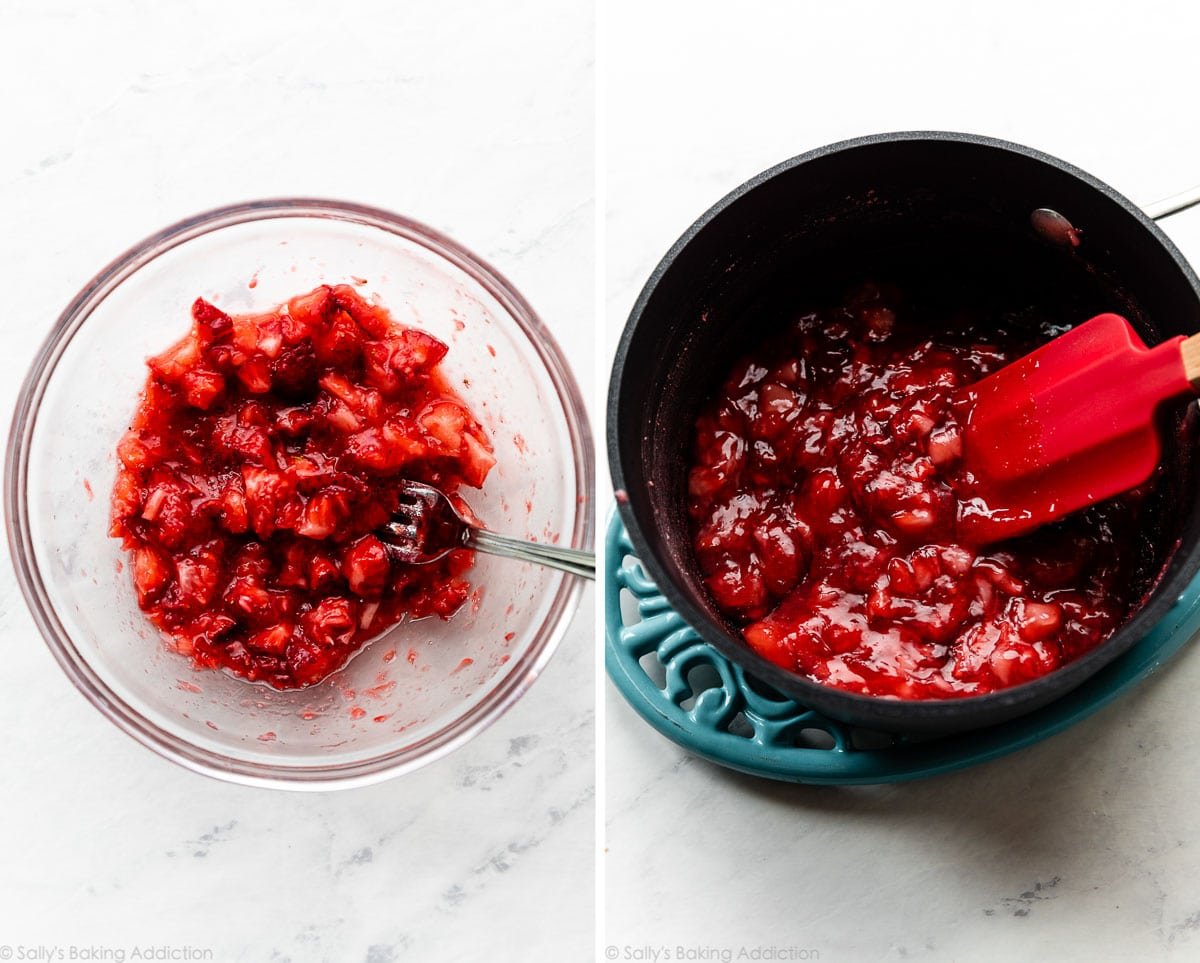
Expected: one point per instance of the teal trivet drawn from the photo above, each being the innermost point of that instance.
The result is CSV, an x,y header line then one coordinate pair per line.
x,y
708,705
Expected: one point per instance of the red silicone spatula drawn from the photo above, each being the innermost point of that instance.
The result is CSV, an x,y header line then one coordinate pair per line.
x,y
1069,425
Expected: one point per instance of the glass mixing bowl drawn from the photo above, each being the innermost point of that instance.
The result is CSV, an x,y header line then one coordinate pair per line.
x,y
420,689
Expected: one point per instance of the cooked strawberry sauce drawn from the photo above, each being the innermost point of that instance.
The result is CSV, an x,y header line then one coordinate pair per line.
x,y
264,453
826,494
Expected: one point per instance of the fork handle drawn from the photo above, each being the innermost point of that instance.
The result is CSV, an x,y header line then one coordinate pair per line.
x,y
564,559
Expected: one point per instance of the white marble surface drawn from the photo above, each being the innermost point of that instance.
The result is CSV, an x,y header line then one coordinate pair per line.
x,y
1085,847
121,117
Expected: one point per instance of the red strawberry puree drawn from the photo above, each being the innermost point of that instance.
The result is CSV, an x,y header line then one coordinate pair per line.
x,y
825,496
264,452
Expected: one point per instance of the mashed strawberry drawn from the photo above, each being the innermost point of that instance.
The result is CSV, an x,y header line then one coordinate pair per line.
x,y
262,457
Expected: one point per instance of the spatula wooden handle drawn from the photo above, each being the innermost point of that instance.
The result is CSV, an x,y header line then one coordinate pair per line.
x,y
1190,349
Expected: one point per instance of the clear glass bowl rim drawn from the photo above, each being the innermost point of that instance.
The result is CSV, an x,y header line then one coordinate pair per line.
x,y
110,703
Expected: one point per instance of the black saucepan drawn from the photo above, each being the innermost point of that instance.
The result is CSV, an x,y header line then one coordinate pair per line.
x,y
941,211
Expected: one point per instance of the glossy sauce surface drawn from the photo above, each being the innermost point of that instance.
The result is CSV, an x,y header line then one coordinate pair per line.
x,y
264,452
828,503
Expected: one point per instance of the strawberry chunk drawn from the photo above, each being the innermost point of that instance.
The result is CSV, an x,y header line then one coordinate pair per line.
x,y
295,371
232,440
339,343
1037,621
478,460
392,364
258,334
169,508
273,640
324,514
293,566
177,360
247,597
333,622
202,388
446,422
212,324
374,321
127,496
343,418
199,575
453,431
234,516
255,376
323,572
268,494
387,449
313,307
152,572
159,401
366,567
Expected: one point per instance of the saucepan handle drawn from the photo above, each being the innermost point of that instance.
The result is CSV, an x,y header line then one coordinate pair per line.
x,y
1173,204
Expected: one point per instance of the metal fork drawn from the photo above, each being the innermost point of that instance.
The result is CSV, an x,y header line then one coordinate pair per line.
x,y
428,526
